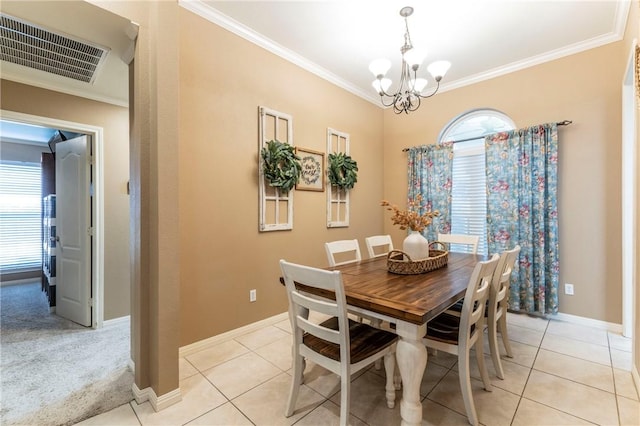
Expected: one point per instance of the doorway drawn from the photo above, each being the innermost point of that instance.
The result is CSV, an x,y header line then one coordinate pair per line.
x,y
97,200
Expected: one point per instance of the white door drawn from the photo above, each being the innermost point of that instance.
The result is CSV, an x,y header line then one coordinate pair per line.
x,y
73,229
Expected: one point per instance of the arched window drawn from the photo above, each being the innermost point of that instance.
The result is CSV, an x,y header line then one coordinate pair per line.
x,y
469,198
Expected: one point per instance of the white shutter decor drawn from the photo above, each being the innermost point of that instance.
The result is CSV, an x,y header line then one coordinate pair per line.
x,y
276,208
337,199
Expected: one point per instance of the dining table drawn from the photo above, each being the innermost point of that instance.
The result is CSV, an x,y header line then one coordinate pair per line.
x,y
407,302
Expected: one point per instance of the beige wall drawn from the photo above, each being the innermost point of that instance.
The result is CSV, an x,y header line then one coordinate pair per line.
x,y
223,80
584,88
154,150
10,151
115,122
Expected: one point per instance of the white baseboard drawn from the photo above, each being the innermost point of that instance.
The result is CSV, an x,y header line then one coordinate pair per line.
x,y
212,341
574,319
19,282
157,402
636,377
116,321
163,401
140,395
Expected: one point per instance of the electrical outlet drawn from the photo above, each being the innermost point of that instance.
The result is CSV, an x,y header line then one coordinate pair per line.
x,y
252,295
568,289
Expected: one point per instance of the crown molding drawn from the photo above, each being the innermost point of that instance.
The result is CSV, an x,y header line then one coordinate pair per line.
x,y
209,13
619,25
532,61
60,89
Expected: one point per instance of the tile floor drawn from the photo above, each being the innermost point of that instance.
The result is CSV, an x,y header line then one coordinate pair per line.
x,y
561,374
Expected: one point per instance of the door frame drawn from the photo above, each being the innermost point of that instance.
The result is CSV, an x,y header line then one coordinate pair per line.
x,y
629,188
97,201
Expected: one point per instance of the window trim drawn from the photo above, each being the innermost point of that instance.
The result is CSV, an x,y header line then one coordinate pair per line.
x,y
35,262
474,112
471,151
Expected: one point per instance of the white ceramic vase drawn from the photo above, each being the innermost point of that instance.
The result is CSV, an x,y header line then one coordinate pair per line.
x,y
416,246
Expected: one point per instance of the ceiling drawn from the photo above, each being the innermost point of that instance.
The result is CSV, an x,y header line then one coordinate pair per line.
x,y
338,39
84,22
481,38
11,131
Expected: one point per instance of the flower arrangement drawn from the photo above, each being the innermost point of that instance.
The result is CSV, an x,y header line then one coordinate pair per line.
x,y
410,218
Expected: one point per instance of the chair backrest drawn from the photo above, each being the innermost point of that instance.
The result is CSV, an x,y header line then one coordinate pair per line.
x,y
337,250
469,240
301,303
498,296
475,300
377,241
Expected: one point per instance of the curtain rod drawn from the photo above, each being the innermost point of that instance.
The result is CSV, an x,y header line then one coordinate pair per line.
x,y
559,123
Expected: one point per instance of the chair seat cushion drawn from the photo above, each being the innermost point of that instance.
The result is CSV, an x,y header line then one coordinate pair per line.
x,y
457,307
365,341
445,328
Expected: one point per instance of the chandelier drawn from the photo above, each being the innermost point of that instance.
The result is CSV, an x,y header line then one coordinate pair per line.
x,y
407,97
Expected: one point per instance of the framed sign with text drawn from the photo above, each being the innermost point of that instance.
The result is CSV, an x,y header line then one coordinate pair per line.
x,y
312,176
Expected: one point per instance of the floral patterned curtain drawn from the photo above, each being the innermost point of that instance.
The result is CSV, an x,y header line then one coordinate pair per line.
x,y
522,183
429,173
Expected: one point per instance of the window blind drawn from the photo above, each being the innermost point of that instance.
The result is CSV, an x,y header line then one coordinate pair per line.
x,y
468,193
20,220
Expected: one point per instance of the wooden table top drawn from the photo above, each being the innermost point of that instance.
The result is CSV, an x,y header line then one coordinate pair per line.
x,y
413,298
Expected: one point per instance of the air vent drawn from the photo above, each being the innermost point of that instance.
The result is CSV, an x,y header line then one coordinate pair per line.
x,y
25,44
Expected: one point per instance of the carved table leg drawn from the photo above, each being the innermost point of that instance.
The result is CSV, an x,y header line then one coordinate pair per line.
x,y
412,360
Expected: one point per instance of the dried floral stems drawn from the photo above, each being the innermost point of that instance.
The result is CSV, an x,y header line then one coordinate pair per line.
x,y
411,218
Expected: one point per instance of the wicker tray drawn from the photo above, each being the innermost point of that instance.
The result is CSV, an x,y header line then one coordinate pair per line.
x,y
398,262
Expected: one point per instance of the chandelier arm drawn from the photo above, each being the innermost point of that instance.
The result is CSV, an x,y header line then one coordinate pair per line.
x,y
383,92
415,106
398,105
385,104
432,93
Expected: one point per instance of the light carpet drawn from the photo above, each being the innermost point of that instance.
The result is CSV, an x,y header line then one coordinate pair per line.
x,y
53,371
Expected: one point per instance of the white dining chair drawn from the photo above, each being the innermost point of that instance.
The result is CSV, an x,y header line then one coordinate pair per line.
x,y
378,245
497,307
338,344
470,241
458,334
342,252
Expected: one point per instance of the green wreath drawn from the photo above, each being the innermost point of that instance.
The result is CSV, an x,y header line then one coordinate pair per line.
x,y
281,165
342,170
